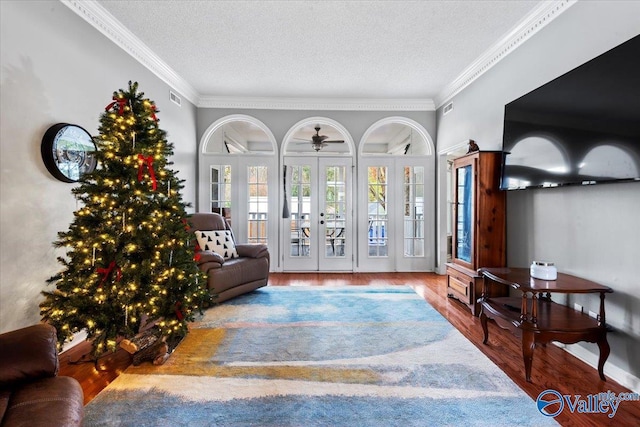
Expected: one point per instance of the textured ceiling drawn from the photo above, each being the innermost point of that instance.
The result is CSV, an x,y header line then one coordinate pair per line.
x,y
319,49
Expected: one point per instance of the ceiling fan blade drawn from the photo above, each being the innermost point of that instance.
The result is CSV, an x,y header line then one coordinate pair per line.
x,y
334,141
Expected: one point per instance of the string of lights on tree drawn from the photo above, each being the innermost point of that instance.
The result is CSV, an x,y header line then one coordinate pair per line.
x,y
130,256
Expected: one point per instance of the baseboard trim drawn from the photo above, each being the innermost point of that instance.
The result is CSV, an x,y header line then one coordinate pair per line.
x,y
78,338
617,374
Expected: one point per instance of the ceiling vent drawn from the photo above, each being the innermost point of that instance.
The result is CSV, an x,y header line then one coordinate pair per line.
x,y
448,108
175,98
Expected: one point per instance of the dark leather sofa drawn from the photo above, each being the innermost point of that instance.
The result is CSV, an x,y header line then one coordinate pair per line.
x,y
228,278
31,393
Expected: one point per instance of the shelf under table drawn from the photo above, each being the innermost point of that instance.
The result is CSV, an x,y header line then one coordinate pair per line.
x,y
550,315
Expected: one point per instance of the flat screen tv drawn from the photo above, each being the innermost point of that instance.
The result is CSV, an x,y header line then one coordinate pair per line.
x,y
581,128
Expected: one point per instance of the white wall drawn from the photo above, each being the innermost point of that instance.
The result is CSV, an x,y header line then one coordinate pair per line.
x,y
280,121
56,68
590,232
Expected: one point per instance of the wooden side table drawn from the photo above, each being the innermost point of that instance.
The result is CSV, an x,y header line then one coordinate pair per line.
x,y
538,320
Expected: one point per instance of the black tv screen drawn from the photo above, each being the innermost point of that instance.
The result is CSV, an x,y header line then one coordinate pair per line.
x,y
581,128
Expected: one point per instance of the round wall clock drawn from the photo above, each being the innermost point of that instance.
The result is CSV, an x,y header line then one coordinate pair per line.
x,y
68,152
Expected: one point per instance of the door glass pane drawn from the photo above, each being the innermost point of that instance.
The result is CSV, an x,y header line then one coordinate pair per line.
x,y
377,211
300,191
414,211
258,204
220,196
463,209
335,209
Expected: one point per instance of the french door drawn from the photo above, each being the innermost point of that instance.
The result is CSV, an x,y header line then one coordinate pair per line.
x,y
318,234
243,189
395,214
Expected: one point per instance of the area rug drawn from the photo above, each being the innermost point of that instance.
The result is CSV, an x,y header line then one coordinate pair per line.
x,y
318,356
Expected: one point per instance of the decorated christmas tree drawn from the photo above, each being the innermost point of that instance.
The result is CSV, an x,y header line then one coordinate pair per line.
x,y
130,257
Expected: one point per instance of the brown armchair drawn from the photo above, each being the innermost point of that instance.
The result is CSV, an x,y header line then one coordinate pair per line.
x,y
230,277
31,393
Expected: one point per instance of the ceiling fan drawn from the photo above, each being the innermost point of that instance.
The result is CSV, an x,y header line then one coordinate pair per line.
x,y
319,141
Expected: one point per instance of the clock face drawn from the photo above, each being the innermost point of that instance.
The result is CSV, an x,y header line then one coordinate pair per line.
x,y
68,152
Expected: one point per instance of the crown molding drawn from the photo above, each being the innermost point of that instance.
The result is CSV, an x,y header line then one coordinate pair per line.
x,y
539,17
320,104
92,12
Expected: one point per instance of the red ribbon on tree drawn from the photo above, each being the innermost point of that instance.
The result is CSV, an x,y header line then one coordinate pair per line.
x,y
179,314
121,104
153,112
142,160
107,271
197,255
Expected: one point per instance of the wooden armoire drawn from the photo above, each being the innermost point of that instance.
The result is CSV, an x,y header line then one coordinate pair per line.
x,y
479,226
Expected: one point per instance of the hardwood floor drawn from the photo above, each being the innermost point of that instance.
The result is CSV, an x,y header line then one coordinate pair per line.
x,y
553,368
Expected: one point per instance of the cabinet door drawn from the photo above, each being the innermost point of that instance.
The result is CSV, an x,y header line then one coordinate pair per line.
x,y
464,212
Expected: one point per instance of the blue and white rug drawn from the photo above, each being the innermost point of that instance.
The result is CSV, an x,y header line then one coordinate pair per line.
x,y
319,356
